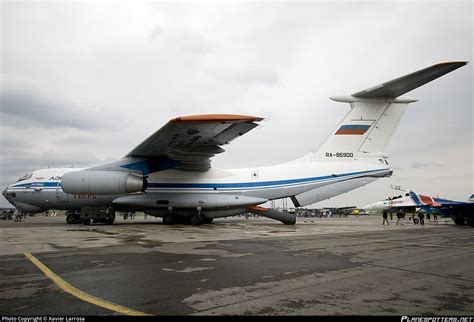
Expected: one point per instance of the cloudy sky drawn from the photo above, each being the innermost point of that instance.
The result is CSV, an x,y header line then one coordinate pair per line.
x,y
83,83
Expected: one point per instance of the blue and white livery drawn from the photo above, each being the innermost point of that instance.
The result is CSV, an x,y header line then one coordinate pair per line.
x,y
170,175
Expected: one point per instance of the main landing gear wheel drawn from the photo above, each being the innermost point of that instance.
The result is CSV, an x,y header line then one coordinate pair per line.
x,y
87,222
197,219
458,221
470,221
208,220
72,219
168,219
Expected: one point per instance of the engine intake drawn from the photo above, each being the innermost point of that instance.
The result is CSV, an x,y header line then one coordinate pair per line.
x,y
102,182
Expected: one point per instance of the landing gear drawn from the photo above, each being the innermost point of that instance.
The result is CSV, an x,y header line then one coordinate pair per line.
x,y
197,219
470,221
208,220
96,215
458,220
169,219
73,218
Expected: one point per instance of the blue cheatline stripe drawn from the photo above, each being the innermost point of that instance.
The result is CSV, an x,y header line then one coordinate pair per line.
x,y
239,185
251,184
37,184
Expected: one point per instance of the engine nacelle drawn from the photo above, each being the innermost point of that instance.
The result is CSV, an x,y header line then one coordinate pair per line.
x,y
102,182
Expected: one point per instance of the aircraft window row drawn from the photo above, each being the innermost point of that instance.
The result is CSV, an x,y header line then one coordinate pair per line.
x,y
25,177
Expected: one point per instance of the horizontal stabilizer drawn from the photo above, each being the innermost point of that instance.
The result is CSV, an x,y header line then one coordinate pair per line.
x,y
404,84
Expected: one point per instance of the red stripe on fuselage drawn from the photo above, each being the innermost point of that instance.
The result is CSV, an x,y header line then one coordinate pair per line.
x,y
351,132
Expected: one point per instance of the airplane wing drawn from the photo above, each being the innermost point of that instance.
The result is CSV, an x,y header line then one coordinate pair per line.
x,y
190,141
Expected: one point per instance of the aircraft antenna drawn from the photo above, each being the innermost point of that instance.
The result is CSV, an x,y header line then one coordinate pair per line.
x,y
399,188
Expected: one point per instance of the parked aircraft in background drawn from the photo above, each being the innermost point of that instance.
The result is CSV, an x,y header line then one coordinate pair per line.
x,y
410,202
169,175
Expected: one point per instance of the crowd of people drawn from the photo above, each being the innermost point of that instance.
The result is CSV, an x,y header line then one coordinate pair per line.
x,y
419,218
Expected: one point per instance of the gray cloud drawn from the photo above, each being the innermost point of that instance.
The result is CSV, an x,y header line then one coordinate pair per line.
x,y
156,32
421,165
30,109
195,43
251,75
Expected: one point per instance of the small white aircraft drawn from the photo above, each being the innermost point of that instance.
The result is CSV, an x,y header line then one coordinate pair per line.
x,y
461,212
169,175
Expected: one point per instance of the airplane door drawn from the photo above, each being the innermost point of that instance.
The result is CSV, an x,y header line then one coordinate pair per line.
x,y
60,194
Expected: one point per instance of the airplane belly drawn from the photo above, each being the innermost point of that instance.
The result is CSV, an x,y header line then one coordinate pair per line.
x,y
334,189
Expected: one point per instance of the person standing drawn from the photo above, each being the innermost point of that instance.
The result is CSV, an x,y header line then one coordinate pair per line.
x,y
421,216
385,219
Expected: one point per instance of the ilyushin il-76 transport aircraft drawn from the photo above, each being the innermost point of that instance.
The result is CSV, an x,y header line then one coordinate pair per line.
x,y
169,175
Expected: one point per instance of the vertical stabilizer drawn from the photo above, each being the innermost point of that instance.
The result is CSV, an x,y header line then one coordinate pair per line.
x,y
374,116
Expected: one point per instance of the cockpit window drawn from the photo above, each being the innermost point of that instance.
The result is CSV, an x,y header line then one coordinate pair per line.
x,y
26,176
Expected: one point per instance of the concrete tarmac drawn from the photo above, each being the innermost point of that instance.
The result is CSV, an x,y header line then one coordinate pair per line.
x,y
339,266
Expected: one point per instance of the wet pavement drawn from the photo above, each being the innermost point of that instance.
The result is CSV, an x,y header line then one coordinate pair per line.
x,y
348,266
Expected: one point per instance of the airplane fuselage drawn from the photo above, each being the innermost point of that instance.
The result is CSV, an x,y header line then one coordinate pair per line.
x,y
257,185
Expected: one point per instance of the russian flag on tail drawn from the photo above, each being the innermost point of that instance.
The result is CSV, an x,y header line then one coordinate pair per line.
x,y
353,129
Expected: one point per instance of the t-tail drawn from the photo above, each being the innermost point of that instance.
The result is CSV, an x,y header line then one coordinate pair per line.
x,y
375,114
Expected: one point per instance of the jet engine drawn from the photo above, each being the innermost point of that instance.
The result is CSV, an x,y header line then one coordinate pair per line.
x,y
102,182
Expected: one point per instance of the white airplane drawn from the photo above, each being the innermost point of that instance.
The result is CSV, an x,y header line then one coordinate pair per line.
x,y
169,175
460,211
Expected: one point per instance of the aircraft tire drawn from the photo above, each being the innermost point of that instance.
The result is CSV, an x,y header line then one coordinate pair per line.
x,y
69,219
109,221
168,220
196,219
87,222
458,221
208,220
72,219
470,221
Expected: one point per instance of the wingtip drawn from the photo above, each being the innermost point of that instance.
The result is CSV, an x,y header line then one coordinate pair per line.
x,y
453,63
